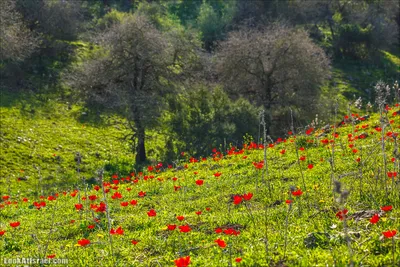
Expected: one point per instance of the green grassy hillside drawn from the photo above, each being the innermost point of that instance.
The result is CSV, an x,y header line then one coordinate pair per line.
x,y
283,213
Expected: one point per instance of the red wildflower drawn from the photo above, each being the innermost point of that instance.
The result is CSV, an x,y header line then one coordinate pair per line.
x,y
218,230
83,242
124,204
259,165
78,206
340,214
289,201
116,195
92,197
238,260
134,242
96,187
176,187
180,218
199,182
182,262
247,196
386,208
392,174
6,197
151,213
133,202
231,231
25,199
51,256
15,224
208,209
2,232
297,193
101,208
309,131
142,194
185,228
198,212
374,219
171,227
283,151
118,231
302,158
150,168
91,226
217,174
310,166
51,198
220,242
389,233
237,200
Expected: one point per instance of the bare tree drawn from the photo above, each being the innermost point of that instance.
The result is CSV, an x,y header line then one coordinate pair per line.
x,y
16,41
276,66
134,68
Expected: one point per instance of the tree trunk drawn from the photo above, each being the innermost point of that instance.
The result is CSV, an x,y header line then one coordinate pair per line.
x,y
140,146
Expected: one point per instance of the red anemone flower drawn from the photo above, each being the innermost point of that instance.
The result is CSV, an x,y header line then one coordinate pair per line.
x,y
2,232
51,256
389,233
297,193
182,262
180,218
374,219
386,208
238,260
15,224
171,227
134,242
185,228
151,213
78,206
199,182
237,200
247,196
220,242
340,214
116,195
118,231
83,242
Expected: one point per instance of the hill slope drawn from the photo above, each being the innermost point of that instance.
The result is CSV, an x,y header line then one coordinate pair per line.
x,y
235,209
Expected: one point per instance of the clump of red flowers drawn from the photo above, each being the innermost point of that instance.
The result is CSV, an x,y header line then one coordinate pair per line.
x,y
117,231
